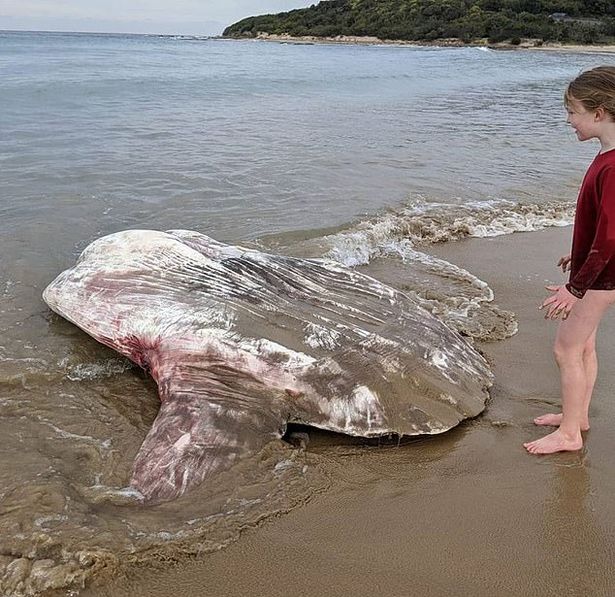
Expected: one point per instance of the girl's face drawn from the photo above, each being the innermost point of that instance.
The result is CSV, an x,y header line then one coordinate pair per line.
x,y
584,122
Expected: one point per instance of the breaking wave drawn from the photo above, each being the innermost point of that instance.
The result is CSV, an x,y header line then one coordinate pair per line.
x,y
453,294
422,223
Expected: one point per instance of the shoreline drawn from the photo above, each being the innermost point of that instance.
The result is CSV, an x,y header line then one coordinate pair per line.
x,y
526,44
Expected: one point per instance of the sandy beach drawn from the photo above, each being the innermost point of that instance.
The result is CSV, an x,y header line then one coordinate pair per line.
x,y
526,44
464,513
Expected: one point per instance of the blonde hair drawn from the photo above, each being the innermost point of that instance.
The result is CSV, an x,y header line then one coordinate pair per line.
x,y
594,89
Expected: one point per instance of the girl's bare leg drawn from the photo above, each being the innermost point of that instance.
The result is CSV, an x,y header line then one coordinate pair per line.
x,y
590,365
572,338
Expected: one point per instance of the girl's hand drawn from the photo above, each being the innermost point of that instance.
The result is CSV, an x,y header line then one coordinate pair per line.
x,y
564,263
560,303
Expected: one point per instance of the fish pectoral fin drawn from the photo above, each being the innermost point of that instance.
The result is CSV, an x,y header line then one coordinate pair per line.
x,y
196,436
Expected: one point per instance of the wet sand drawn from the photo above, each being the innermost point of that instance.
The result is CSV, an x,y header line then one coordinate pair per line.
x,y
465,513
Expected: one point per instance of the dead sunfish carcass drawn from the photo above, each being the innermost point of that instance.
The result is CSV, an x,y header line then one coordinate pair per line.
x,y
242,342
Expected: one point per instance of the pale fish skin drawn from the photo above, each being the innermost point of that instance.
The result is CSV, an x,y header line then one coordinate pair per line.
x,y
242,342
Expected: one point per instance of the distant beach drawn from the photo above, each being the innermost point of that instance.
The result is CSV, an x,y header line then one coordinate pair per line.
x,y
525,44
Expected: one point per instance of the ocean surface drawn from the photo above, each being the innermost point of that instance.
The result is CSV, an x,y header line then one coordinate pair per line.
x,y
363,154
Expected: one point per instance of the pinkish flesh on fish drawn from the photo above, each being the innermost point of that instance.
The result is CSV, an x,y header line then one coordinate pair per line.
x,y
242,342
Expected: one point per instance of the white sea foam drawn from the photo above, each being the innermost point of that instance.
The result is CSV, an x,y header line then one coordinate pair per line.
x,y
459,298
104,444
89,371
422,223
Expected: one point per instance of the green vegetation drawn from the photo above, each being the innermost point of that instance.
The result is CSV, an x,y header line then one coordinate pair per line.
x,y
572,21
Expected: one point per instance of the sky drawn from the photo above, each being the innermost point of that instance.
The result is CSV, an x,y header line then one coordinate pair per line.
x,y
183,17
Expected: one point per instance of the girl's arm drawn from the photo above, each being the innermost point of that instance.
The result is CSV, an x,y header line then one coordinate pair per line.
x,y
564,262
603,246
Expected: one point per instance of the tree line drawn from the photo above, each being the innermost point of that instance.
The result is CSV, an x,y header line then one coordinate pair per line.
x,y
572,21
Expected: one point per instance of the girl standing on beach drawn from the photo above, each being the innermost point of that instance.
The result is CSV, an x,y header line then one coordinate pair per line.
x,y
590,103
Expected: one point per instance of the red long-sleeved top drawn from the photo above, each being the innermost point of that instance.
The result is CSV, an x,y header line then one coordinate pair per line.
x,y
593,239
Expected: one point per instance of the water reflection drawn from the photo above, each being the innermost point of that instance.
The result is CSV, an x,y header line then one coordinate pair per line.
x,y
578,555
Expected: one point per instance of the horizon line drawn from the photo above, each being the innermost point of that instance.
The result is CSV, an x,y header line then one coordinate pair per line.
x,y
106,32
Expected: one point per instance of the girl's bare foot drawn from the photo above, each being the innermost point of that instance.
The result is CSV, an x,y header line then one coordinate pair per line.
x,y
555,442
554,420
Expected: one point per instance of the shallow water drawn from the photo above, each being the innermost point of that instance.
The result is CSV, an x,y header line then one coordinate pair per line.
x,y
363,154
